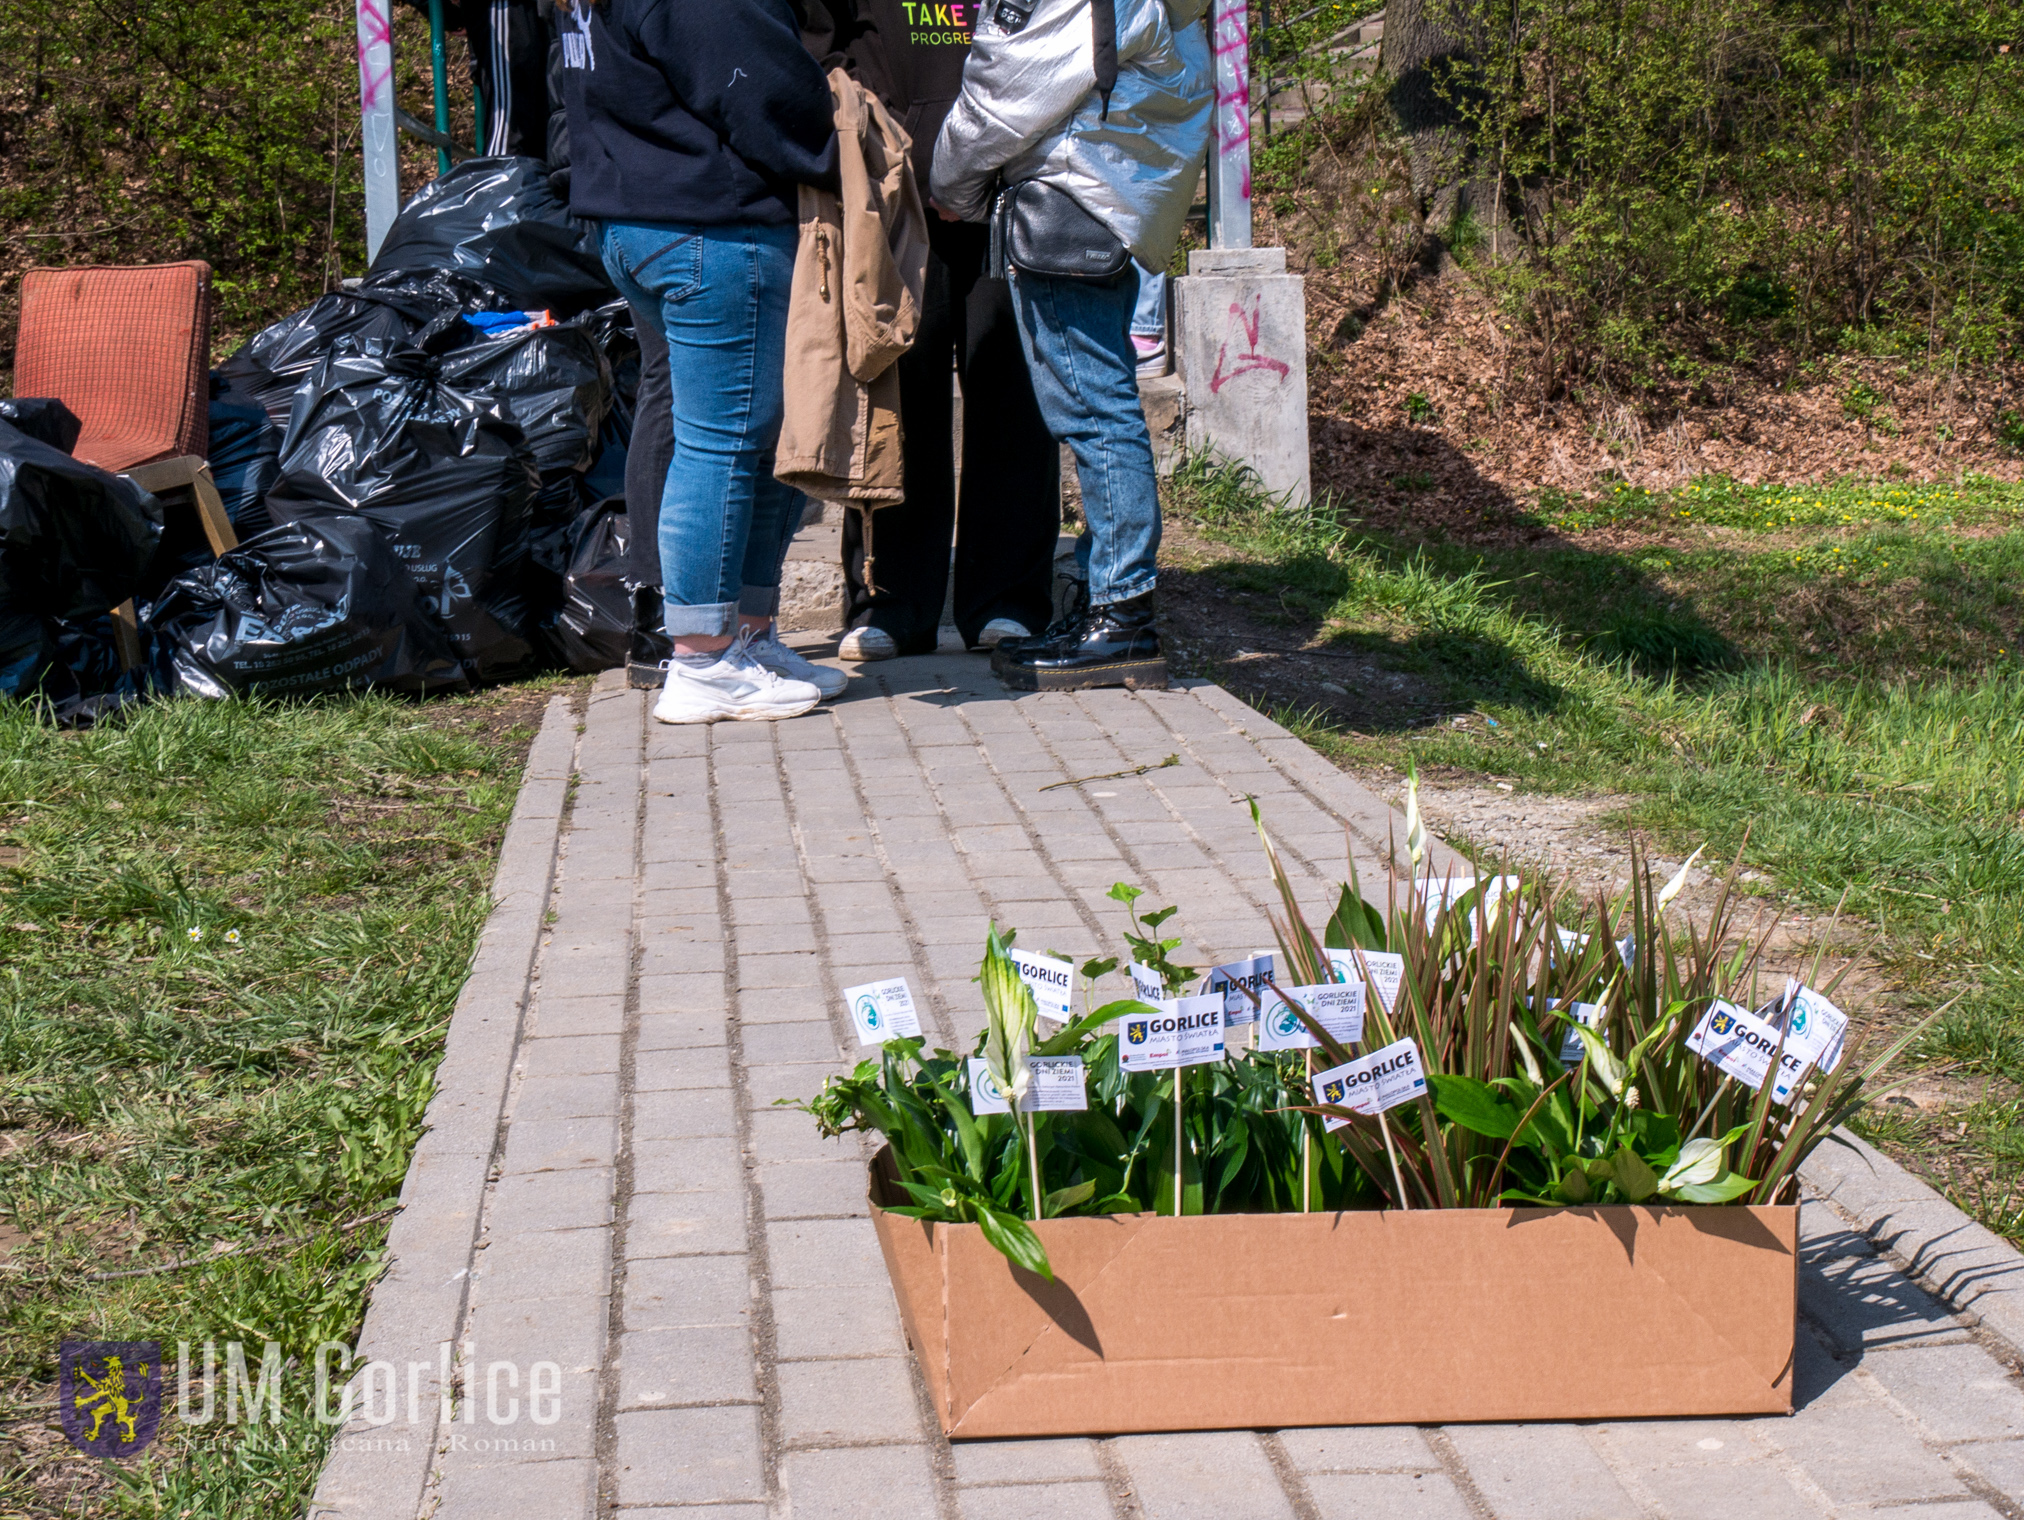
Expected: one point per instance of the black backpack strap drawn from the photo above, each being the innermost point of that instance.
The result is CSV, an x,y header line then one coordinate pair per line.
x,y
1103,15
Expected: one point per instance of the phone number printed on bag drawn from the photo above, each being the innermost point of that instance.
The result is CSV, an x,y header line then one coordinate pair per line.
x,y
1373,1083
883,1011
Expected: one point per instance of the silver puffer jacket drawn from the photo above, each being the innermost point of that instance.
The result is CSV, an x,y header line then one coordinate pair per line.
x,y
1029,110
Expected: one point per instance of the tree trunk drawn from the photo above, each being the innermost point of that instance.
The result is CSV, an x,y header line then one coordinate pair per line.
x,y
1420,43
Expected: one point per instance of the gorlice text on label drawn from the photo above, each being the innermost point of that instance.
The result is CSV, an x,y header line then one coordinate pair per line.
x,y
1373,1083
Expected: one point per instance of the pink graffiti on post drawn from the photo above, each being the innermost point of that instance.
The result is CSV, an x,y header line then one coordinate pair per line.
x,y
1250,361
1232,43
375,29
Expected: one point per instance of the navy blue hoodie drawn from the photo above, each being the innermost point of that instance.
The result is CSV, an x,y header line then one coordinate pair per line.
x,y
700,111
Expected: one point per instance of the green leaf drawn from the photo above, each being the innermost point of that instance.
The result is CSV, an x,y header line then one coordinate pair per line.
x,y
1637,1180
1092,969
1354,924
1125,893
1724,1188
1574,1186
1015,1240
1062,1199
1475,1106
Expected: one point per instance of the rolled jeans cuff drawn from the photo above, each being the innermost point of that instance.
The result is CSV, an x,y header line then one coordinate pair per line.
x,y
705,620
1115,594
759,601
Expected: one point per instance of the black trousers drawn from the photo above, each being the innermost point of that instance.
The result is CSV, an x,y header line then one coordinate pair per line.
x,y
509,69
648,456
897,573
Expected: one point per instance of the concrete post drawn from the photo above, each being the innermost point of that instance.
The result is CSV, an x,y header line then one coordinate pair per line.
x,y
376,114
1241,341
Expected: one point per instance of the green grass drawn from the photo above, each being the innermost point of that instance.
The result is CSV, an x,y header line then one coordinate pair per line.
x,y
1859,714
232,935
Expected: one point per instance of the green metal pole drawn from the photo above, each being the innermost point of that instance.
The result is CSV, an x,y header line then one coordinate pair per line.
x,y
439,63
478,106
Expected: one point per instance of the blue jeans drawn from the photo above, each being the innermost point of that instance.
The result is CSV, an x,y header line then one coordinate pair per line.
x,y
1077,338
1149,313
718,296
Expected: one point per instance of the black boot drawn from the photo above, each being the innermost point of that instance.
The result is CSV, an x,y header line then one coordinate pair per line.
x,y
646,663
1105,646
1073,610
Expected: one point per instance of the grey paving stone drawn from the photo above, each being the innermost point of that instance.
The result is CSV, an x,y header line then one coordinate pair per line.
x,y
784,1135
814,1189
773,1044
705,1066
783,1005
698,1364
861,1483
555,1015
525,1202
686,1223
1756,1491
1864,1455
479,1487
549,1145
1867,1304
1957,1393
688,1456
1034,1501
682,991
585,1096
750,912
2000,1463
1972,1509
824,1253
687,1114
683,1031
765,1085
775,939
1025,1462
1211,1475
1360,1448
840,1403
572,1335
570,1055
679,1166
1387,1496
1540,1472
681,1292
548,1264
836,1322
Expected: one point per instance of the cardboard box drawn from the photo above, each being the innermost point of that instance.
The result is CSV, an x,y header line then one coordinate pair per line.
x,y
1241,1321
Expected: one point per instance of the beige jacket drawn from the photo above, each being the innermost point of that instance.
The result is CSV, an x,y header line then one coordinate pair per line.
x,y
855,306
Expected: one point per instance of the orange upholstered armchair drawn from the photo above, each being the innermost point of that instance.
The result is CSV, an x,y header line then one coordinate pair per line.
x,y
129,352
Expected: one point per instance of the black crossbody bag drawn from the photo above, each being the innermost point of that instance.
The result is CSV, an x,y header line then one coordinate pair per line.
x,y
1039,229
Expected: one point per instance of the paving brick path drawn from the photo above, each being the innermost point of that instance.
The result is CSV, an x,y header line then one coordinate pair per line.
x,y
701,1266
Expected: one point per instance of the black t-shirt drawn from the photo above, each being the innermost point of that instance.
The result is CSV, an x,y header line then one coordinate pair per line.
x,y
909,54
686,112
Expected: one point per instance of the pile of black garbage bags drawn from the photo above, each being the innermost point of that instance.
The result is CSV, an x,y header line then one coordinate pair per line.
x,y
425,473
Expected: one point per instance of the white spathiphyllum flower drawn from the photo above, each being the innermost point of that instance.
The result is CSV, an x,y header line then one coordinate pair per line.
x,y
1700,1161
1009,1012
1678,884
1416,829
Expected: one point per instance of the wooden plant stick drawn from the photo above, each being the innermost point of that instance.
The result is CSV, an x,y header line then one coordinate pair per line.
x,y
1177,1133
1033,1159
1307,1146
1397,1179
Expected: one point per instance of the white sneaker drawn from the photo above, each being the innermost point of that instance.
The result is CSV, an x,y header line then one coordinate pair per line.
x,y
782,661
865,644
998,630
735,686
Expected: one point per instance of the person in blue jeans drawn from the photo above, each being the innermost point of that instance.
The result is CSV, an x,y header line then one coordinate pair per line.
x,y
690,129
1035,106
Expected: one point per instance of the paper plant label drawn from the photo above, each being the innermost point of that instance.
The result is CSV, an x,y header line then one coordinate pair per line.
x,y
1446,892
1815,1030
1233,981
1335,1006
1146,985
1052,981
883,1011
1373,1083
1057,1087
1182,1032
1742,1046
1587,1015
1387,971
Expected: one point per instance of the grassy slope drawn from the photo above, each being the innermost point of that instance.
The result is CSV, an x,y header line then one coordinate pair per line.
x,y
232,937
1835,670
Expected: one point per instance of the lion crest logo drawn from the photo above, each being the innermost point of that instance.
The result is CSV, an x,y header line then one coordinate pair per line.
x,y
1722,1023
109,1395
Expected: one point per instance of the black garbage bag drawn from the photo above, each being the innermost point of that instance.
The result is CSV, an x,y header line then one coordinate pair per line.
x,y
245,455
43,418
552,381
72,669
590,628
495,224
299,610
269,366
74,540
444,476
25,656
